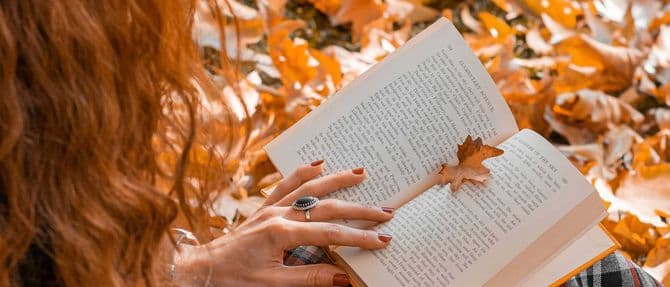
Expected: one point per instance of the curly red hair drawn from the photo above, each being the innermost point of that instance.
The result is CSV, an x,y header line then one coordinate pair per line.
x,y
89,89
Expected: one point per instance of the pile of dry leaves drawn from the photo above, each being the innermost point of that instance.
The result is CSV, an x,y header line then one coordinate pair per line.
x,y
593,76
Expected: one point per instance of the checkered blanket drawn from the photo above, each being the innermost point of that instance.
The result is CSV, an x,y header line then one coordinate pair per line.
x,y
613,271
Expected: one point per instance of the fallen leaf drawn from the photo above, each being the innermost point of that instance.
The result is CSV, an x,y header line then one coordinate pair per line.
x,y
470,21
449,14
379,39
410,10
291,57
663,19
471,155
660,253
510,7
536,42
609,68
613,10
619,141
351,63
558,31
636,237
644,189
663,95
588,158
601,30
328,7
272,12
207,32
497,27
659,56
643,12
359,13
661,118
562,11
300,65
581,116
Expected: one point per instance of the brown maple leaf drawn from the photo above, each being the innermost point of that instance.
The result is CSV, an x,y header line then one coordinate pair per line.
x,y
470,154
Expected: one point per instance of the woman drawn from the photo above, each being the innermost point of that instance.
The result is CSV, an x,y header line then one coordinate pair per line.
x,y
90,91
85,88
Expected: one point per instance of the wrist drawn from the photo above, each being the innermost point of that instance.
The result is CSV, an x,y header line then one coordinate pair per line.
x,y
190,266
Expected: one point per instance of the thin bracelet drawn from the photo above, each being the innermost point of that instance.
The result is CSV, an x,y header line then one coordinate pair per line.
x,y
184,236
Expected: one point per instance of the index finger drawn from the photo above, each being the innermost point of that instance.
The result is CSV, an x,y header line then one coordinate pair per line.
x,y
301,175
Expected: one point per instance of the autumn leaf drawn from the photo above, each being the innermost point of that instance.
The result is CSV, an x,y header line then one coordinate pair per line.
x,y
470,21
661,118
581,116
536,42
410,10
299,65
664,19
599,66
497,27
272,11
636,237
328,7
644,189
206,28
359,13
660,253
512,8
560,10
380,39
470,154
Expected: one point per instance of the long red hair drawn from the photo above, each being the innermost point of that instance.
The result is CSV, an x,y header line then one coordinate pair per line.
x,y
89,90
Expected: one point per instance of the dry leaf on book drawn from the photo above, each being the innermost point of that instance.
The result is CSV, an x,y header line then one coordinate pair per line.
x,y
470,154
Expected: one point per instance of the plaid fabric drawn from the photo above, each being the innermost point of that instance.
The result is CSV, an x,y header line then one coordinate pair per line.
x,y
305,255
612,271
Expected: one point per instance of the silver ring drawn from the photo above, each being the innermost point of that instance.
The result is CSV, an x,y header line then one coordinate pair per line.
x,y
305,203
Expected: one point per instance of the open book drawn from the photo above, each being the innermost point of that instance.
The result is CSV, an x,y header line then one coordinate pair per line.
x,y
534,223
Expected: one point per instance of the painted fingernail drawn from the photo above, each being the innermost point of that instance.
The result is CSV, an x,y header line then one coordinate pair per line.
x,y
358,170
341,280
384,237
388,210
316,163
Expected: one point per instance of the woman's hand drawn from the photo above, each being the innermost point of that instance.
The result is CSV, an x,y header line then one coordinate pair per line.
x,y
252,254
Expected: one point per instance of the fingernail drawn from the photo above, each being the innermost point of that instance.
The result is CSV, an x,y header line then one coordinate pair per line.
x,y
316,163
385,237
358,170
388,210
341,280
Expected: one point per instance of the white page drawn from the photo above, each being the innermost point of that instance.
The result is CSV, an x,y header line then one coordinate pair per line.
x,y
593,243
465,238
401,119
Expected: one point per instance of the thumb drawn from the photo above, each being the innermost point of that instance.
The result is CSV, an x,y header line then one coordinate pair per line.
x,y
315,275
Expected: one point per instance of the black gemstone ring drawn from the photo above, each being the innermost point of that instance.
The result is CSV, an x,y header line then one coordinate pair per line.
x,y
305,203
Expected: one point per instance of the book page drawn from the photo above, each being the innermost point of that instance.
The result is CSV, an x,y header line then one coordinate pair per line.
x,y
401,119
585,250
465,238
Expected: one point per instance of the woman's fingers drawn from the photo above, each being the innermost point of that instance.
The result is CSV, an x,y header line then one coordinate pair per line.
x,y
325,185
324,234
331,209
314,275
295,180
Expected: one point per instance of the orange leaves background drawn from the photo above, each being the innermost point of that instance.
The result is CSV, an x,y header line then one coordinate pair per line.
x,y
593,76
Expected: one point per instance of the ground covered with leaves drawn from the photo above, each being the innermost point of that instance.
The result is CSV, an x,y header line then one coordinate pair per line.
x,y
592,76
